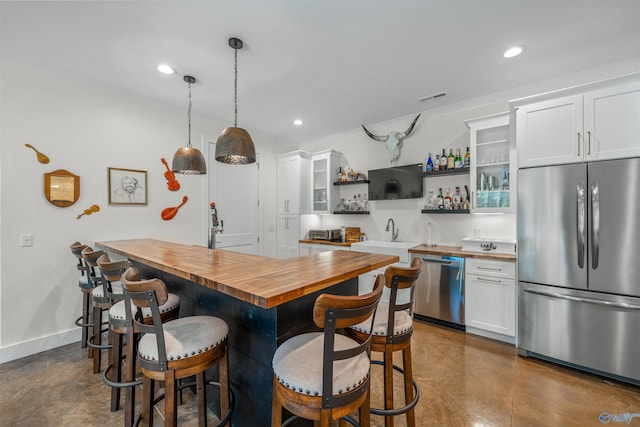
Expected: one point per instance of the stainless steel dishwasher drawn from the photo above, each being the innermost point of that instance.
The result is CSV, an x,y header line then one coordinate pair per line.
x,y
439,291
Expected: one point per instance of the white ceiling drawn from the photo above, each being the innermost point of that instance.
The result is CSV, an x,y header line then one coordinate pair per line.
x,y
333,63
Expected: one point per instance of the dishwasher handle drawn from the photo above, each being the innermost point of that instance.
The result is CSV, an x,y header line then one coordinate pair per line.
x,y
442,261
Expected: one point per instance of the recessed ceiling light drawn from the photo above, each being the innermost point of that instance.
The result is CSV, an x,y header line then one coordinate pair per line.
x,y
512,51
297,122
166,69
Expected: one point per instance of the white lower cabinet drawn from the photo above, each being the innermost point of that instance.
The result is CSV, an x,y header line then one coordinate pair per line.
x,y
288,236
316,248
490,299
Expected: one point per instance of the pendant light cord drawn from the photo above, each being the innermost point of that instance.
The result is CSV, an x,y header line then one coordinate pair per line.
x,y
235,91
189,117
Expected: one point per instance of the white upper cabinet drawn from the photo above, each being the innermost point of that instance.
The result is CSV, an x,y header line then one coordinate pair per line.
x,y
492,164
293,183
612,122
549,132
324,171
590,125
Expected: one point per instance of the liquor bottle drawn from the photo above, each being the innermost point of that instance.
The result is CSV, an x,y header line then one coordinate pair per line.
x,y
443,160
456,199
457,160
447,201
429,166
467,159
451,160
436,164
440,199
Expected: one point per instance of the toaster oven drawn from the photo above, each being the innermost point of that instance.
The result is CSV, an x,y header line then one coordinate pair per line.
x,y
329,234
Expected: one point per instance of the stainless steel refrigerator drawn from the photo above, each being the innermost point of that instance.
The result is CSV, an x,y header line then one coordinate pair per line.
x,y
579,265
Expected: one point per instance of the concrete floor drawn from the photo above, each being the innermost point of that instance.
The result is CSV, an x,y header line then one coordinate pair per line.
x,y
464,380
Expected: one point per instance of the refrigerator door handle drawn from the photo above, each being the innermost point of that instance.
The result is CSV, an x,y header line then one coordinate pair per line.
x,y
581,227
585,300
595,225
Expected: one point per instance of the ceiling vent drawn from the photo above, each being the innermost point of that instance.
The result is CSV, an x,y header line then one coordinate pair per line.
x,y
434,96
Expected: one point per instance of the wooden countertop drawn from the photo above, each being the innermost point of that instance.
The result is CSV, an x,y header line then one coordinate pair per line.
x,y
262,281
326,242
457,251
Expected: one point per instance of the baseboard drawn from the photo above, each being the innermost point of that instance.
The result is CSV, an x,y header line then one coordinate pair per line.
x,y
37,345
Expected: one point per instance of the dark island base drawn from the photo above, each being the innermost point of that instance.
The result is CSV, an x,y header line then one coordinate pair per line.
x,y
254,335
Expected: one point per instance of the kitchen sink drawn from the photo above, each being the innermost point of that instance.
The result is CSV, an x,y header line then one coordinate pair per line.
x,y
400,249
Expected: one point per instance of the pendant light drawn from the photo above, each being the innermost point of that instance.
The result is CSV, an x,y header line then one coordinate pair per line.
x,y
189,160
234,145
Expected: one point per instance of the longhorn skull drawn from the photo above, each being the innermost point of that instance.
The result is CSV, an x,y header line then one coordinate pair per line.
x,y
393,139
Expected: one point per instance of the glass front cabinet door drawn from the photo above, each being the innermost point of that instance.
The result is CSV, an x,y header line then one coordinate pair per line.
x,y
492,164
325,166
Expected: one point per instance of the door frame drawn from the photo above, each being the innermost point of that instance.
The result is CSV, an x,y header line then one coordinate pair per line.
x,y
206,151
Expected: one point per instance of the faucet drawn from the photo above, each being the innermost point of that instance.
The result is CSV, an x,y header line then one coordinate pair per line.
x,y
394,230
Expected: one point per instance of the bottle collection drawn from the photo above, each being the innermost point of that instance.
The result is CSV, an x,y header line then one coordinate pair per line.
x,y
449,161
447,201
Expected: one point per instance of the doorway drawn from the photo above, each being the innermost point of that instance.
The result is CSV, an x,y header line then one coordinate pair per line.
x,y
234,189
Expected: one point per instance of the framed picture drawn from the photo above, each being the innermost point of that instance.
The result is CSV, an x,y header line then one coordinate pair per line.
x,y
127,186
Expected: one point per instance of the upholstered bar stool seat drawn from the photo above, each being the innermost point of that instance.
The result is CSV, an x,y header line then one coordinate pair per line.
x,y
391,331
176,349
324,376
297,364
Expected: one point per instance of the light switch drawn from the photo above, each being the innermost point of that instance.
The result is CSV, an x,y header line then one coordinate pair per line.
x,y
26,240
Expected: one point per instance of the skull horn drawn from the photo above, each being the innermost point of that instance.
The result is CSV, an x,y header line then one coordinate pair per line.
x,y
408,131
376,137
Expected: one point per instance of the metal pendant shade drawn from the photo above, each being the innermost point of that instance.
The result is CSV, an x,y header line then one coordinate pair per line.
x,y
234,145
189,160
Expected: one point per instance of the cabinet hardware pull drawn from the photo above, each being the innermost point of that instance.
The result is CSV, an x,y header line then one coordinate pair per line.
x,y
589,143
482,279
489,268
578,144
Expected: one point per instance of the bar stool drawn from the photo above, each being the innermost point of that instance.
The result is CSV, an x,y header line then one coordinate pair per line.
x,y
121,325
323,376
392,331
111,272
102,297
177,349
85,284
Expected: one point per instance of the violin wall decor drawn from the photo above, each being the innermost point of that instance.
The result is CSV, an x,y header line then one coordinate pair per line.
x,y
172,182
89,211
168,213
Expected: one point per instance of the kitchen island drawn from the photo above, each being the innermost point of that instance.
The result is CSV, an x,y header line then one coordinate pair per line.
x,y
264,301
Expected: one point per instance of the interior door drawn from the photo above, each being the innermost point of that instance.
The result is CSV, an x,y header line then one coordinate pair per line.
x,y
234,189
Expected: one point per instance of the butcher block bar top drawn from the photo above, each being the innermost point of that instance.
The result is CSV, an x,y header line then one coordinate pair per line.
x,y
261,281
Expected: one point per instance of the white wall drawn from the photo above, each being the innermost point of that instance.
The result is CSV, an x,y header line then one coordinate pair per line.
x,y
85,133
436,129
431,134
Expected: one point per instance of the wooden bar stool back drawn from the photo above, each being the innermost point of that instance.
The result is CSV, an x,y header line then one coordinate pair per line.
x,y
392,331
177,349
121,325
85,284
323,376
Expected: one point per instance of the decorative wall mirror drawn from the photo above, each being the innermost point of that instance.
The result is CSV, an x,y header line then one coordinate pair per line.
x,y
61,188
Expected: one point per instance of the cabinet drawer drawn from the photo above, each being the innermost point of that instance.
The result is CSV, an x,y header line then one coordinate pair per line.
x,y
492,268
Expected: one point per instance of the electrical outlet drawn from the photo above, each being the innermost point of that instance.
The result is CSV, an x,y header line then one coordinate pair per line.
x,y
26,240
